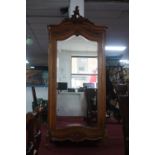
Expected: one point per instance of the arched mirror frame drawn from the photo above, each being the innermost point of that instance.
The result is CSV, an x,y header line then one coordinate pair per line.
x,y
76,25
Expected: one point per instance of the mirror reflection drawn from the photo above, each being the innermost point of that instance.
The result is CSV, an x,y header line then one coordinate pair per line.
x,y
77,79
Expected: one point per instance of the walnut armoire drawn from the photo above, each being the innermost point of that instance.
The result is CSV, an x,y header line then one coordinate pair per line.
x,y
76,26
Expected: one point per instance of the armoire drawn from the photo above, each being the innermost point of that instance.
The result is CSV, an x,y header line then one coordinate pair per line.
x,y
73,33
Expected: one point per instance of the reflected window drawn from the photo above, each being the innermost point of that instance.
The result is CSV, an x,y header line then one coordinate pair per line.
x,y
84,70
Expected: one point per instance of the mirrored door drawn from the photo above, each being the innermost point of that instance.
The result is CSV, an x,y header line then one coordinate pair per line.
x,y
77,80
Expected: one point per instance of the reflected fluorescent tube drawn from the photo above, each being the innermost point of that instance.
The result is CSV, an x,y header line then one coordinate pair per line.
x,y
115,48
27,62
124,61
32,67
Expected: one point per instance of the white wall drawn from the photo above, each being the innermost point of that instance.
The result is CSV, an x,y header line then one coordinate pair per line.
x,y
64,67
71,104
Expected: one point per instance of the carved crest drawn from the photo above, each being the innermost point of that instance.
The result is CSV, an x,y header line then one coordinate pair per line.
x,y
77,18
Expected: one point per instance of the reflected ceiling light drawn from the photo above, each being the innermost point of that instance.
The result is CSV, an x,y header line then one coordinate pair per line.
x,y
124,61
27,62
32,67
29,41
115,48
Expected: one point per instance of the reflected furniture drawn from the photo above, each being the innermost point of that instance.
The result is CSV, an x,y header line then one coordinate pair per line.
x,y
34,103
91,98
124,110
121,89
33,133
75,26
39,105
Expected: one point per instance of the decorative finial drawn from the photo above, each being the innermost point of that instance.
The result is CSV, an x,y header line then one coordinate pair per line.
x,y
76,12
76,17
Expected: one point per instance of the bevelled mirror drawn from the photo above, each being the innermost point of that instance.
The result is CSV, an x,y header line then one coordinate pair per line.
x,y
76,63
